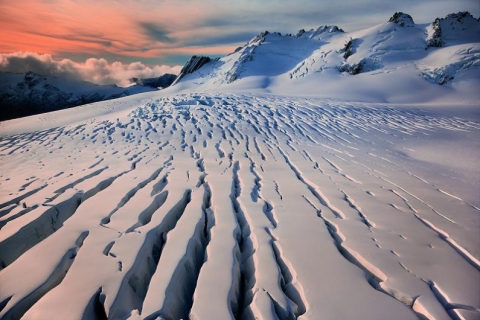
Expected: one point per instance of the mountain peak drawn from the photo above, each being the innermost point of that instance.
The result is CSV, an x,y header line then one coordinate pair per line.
x,y
402,19
329,52
259,38
458,27
192,65
32,79
460,16
163,81
312,33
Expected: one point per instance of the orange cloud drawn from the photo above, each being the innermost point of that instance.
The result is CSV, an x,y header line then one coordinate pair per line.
x,y
143,29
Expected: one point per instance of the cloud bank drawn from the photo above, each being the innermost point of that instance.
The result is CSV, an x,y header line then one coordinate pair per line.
x,y
98,71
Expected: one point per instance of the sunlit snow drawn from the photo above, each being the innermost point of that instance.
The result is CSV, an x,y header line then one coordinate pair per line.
x,y
219,201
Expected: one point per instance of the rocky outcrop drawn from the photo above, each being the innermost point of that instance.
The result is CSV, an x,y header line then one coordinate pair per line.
x,y
161,82
259,38
192,65
246,56
451,27
402,19
435,38
300,33
348,49
328,29
312,33
459,17
353,69
366,64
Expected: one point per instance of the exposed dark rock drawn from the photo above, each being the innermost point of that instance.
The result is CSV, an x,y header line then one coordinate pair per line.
x,y
329,29
454,22
246,56
353,69
445,79
260,38
162,82
316,32
460,16
300,32
192,65
436,38
348,50
364,65
402,19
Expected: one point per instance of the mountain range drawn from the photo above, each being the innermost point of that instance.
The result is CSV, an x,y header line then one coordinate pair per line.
x,y
445,52
28,94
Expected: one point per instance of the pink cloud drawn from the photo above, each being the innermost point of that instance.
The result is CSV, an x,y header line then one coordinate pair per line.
x,y
144,29
98,71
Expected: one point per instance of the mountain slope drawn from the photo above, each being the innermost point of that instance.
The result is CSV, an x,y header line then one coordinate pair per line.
x,y
27,94
337,59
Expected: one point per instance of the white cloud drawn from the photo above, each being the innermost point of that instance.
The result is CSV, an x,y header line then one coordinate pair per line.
x,y
98,71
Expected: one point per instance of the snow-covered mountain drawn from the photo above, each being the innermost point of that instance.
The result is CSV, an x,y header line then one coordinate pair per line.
x,y
446,51
27,94
279,182
161,82
456,28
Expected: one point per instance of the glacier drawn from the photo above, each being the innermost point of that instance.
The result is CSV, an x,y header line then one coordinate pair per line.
x,y
267,184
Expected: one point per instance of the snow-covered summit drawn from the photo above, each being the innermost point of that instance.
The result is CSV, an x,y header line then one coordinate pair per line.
x,y
330,56
317,33
455,28
192,65
402,19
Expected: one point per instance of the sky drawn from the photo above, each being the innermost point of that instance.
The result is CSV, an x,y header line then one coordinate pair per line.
x,y
109,41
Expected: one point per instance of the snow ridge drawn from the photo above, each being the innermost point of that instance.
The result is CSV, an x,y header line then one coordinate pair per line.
x,y
402,19
396,47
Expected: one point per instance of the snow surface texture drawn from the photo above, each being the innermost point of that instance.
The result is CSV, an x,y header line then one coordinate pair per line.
x,y
241,203
235,205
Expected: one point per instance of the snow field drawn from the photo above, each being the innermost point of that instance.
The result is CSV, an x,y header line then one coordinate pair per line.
x,y
236,206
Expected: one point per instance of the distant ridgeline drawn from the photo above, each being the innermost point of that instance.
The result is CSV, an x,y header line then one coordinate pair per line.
x,y
27,94
329,47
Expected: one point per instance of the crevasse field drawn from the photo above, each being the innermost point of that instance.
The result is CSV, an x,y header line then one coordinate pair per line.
x,y
265,198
